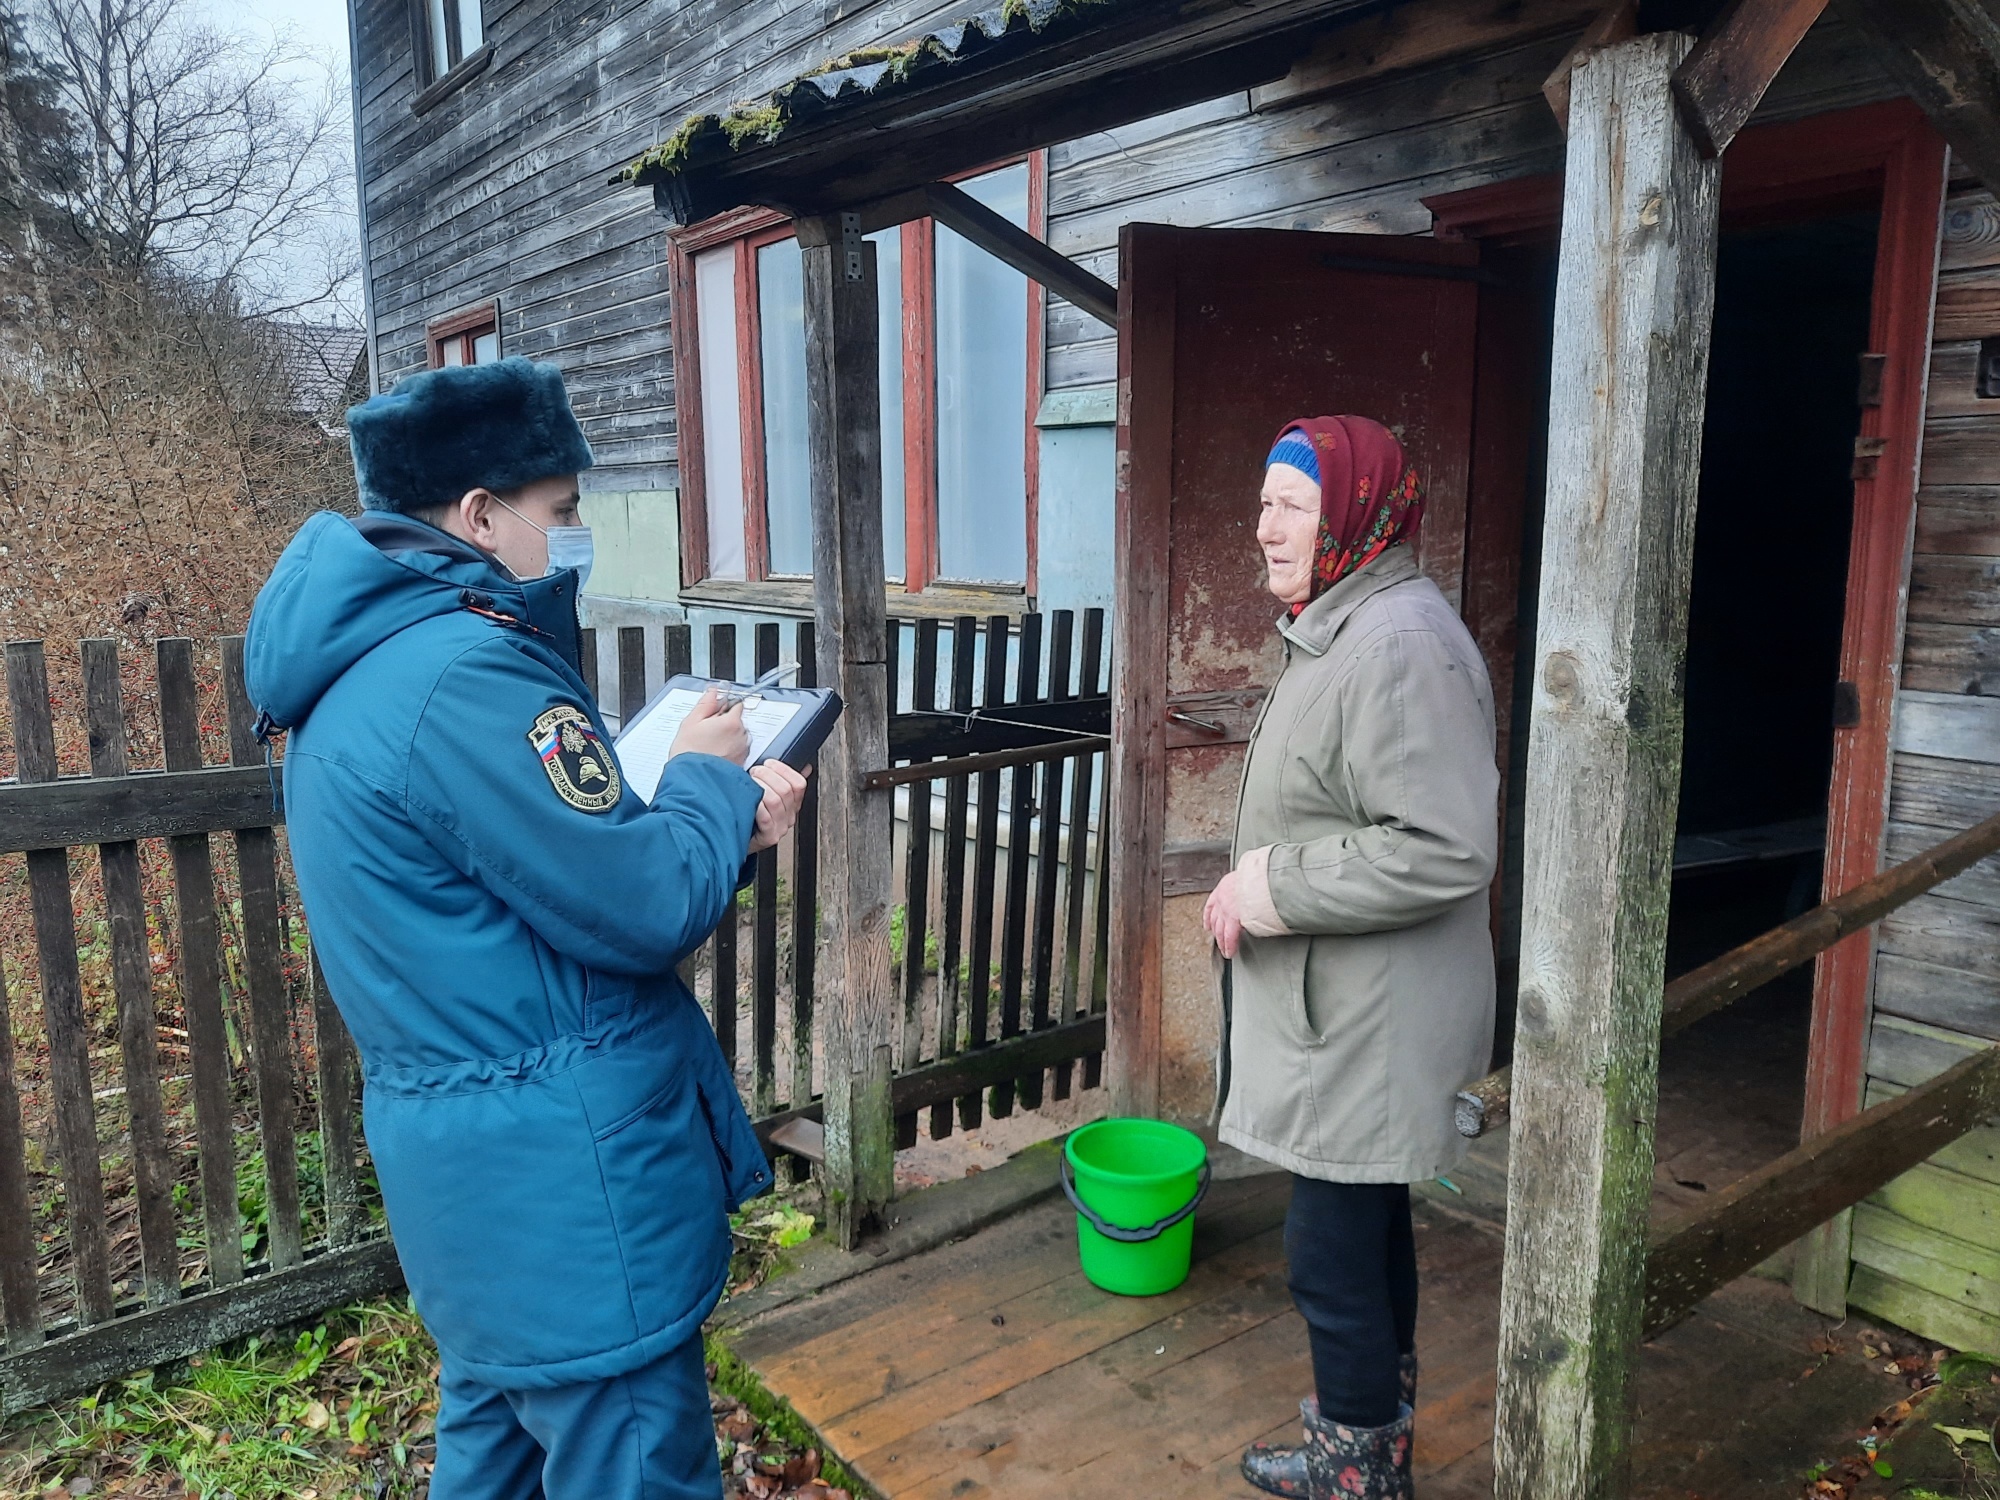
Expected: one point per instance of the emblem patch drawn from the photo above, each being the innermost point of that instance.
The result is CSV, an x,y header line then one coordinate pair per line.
x,y
579,764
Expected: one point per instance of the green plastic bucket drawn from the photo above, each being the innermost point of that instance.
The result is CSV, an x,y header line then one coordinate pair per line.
x,y
1135,1185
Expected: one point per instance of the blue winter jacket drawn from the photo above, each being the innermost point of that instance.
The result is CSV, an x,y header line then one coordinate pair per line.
x,y
558,1137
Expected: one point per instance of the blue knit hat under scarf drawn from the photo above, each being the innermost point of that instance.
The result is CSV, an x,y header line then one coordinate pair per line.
x,y
1296,449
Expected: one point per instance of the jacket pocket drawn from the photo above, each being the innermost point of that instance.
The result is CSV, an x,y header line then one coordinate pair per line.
x,y
502,1225
1271,977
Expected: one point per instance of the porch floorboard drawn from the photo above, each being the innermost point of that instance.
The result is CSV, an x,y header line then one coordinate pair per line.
x,y
990,1368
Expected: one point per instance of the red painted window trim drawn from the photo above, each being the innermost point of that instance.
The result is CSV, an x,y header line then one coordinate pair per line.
x,y
751,228
463,326
1884,154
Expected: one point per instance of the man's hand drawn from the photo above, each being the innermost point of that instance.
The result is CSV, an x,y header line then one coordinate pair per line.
x,y
710,729
784,790
1223,915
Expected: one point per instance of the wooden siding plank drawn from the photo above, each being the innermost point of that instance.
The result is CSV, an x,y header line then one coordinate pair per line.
x,y
1979,885
1936,995
1957,934
1942,1264
1959,518
1947,1321
1955,590
1971,235
1952,659
1951,794
1950,726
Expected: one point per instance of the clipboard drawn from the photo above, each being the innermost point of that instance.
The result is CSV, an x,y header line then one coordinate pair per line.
x,y
787,724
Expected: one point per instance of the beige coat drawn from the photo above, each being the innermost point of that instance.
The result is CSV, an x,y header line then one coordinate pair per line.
x,y
1366,838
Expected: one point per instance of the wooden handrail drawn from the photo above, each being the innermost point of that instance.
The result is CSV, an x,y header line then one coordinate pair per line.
x,y
1702,991
1759,1215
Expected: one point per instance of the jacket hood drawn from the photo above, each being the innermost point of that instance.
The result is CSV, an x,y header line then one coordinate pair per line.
x,y
343,586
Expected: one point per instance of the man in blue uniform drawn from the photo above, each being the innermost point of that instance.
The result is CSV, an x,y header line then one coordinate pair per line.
x,y
558,1137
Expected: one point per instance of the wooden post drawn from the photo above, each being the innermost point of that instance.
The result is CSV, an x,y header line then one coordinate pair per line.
x,y
1634,294
843,426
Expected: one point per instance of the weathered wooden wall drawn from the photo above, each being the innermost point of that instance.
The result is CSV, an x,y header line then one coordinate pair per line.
x,y
1927,1248
1358,160
501,189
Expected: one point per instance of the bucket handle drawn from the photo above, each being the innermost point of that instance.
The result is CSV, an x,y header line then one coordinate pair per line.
x,y
1133,1236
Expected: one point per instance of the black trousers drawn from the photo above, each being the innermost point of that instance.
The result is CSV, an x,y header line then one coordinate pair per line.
x,y
1352,1268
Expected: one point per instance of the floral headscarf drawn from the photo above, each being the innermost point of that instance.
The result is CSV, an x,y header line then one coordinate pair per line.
x,y
1369,497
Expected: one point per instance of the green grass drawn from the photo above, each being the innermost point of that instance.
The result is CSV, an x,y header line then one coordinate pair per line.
x,y
336,1411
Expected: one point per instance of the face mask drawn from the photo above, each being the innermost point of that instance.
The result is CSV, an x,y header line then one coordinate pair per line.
x,y
569,547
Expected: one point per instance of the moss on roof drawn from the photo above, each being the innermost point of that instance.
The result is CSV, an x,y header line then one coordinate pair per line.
x,y
863,70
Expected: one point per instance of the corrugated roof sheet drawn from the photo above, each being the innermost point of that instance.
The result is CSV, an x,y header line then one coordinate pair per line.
x,y
858,77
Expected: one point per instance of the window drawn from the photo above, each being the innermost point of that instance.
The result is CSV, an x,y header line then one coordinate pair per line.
x,y
960,366
450,39
470,336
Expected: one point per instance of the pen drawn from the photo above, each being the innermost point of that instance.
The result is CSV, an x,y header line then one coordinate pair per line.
x,y
771,678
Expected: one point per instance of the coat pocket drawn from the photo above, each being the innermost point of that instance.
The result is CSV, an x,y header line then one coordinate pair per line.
x,y
1269,980
503,1227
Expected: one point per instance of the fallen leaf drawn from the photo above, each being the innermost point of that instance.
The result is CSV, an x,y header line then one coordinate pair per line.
x,y
802,1468
317,1416
347,1347
1963,1434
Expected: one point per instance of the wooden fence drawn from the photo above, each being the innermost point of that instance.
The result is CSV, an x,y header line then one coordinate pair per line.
x,y
1006,891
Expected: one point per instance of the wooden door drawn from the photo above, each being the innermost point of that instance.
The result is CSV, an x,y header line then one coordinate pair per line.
x,y
1223,336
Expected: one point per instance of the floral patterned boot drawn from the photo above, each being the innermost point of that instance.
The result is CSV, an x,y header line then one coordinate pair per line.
x,y
1280,1468
1357,1463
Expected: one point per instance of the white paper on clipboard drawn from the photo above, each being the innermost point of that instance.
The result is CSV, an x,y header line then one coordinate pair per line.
x,y
643,745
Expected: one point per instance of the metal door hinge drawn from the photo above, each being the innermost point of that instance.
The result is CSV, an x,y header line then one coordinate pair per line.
x,y
1869,392
1846,706
1866,451
850,244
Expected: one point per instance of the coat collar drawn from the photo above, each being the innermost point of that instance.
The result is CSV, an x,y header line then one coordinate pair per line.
x,y
1320,621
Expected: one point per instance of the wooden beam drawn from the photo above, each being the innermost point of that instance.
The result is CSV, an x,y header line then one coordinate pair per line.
x,y
74,810
999,237
1724,78
843,429
1946,55
1617,22
1724,980
1759,1215
1635,291
1401,37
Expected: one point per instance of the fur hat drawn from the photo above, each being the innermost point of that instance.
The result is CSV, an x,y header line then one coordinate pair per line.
x,y
465,427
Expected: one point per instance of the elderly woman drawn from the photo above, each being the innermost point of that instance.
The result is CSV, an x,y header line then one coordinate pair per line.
x,y
1355,921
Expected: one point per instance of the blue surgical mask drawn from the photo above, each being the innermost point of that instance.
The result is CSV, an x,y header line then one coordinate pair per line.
x,y
569,547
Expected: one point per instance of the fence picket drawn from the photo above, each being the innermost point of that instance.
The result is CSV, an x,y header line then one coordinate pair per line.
x,y
917,875
985,856
631,671
337,1078
764,938
951,918
20,1297
200,942
805,897
62,997
1079,841
1020,831
132,982
587,664
1048,862
263,971
722,966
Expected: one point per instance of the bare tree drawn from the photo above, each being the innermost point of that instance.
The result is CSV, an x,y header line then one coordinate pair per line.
x,y
198,154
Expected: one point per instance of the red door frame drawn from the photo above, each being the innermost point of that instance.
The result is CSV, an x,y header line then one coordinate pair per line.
x,y
1880,153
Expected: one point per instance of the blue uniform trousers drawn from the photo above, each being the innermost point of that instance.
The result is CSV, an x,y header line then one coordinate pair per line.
x,y
645,1435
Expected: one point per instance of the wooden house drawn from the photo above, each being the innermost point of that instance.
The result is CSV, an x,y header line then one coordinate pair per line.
x,y
745,229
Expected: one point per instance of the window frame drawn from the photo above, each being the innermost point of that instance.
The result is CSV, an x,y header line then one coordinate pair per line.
x,y
464,324
433,85
750,229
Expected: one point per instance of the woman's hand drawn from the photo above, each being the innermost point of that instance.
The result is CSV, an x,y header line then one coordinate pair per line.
x,y
784,790
710,729
1223,915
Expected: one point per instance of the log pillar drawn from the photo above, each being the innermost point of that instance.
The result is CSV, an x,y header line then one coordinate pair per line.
x,y
1634,297
844,433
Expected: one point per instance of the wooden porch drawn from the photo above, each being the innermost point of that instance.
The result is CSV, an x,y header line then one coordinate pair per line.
x,y
991,1368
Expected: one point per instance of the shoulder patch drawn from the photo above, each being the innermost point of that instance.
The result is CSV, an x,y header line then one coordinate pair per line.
x,y
579,763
